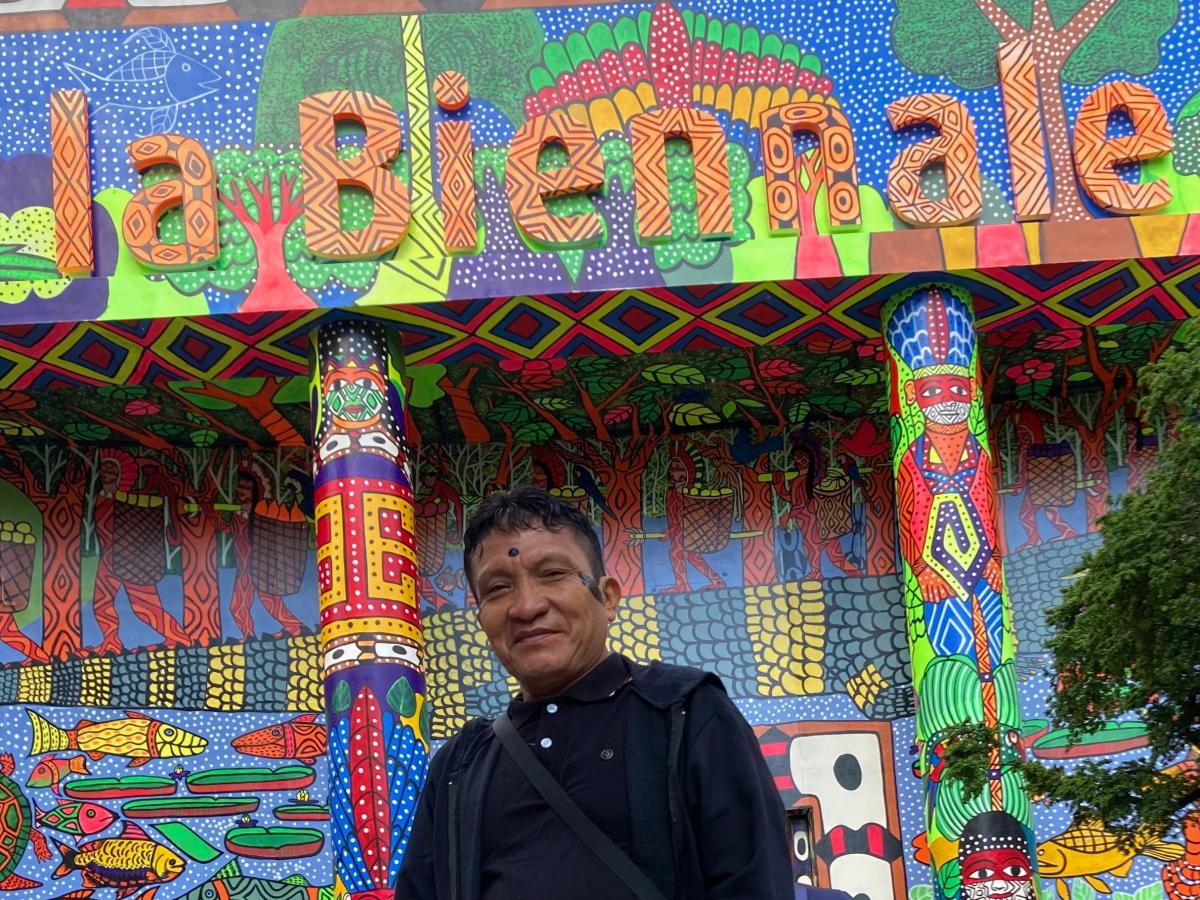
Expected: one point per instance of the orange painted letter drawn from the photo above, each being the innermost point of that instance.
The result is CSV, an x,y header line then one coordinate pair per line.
x,y
1097,156
1026,139
955,147
324,173
72,175
195,190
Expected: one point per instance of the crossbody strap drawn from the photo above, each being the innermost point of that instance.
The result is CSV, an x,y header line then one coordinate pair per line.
x,y
575,818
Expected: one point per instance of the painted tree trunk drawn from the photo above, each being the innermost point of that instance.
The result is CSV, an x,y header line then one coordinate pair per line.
x,y
1068,205
622,557
1095,472
273,287
879,501
198,559
758,514
62,528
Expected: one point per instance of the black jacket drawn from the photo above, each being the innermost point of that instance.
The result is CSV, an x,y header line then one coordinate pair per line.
x,y
685,738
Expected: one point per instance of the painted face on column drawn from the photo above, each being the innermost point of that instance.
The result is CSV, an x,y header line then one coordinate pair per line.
x,y
994,859
945,398
356,397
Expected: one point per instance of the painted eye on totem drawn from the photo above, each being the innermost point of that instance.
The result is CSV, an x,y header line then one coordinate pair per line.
x,y
982,873
338,384
403,652
335,444
958,390
366,384
378,440
932,391
343,654
1015,871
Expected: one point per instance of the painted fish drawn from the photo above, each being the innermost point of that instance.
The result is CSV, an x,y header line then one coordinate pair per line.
x,y
158,80
76,817
230,884
302,738
51,770
138,737
127,863
1087,850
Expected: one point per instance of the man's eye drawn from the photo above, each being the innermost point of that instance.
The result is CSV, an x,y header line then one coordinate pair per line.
x,y
556,573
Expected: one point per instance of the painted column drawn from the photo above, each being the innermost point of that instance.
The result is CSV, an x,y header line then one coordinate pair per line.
x,y
371,640
958,617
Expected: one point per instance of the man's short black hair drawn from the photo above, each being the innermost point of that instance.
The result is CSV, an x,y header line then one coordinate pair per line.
x,y
523,508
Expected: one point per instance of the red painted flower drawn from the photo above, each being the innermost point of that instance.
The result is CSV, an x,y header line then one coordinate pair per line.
x,y
872,349
1031,370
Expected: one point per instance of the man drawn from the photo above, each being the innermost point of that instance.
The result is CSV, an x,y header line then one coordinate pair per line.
x,y
658,757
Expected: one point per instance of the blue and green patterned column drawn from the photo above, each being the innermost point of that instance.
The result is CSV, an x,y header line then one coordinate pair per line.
x,y
957,613
371,641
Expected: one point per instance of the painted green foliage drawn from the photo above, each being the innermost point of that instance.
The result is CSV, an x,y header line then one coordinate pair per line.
x,y
1187,138
955,38
308,55
262,228
494,52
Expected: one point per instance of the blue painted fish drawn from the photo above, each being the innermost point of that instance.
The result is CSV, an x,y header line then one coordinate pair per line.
x,y
76,817
157,80
128,863
51,770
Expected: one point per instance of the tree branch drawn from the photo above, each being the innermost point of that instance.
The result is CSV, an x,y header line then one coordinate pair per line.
x,y
1010,29
1081,25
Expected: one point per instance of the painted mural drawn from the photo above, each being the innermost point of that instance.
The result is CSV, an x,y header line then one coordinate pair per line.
x,y
638,84
764,550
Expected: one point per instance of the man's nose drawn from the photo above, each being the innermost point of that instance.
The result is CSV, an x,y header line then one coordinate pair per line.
x,y
529,600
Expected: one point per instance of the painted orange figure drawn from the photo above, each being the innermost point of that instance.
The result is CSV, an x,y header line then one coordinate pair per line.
x,y
129,530
681,474
16,564
240,528
1181,878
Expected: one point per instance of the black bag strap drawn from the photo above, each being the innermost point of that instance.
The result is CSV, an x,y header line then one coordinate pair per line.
x,y
575,818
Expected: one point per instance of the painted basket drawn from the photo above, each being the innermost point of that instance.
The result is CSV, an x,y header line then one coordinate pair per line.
x,y
139,552
17,550
279,551
432,527
1051,472
573,494
831,502
707,519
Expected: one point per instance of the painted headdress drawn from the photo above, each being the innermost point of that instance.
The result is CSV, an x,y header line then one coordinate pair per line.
x,y
992,830
931,327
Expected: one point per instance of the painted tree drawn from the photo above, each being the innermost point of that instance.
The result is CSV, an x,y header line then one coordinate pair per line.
x,y
263,247
1076,41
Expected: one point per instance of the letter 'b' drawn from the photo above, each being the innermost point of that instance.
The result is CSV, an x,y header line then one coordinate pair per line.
x,y
324,173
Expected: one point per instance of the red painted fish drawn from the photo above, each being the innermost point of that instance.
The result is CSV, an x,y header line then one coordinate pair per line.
x,y
51,770
77,818
302,738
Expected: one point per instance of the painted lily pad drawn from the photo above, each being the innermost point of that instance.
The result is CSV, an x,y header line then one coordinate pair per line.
x,y
119,788
1113,738
250,778
274,843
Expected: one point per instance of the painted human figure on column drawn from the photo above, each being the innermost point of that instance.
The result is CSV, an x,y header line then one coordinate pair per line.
x,y
958,621
371,639
129,528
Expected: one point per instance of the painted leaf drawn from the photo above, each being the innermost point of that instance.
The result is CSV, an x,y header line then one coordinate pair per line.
x,y
618,414
87,431
797,411
196,418
368,784
167,429
204,437
402,698
676,373
838,404
691,415
778,368
732,369
341,697
556,403
859,376
535,433
122,392
513,412
670,57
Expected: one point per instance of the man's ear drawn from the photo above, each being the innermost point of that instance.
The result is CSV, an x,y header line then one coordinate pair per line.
x,y
610,596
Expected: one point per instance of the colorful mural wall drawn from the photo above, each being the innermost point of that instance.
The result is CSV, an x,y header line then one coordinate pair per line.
x,y
766,552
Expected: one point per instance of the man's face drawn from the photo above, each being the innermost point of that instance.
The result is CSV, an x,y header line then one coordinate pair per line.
x,y
944,399
538,610
1001,874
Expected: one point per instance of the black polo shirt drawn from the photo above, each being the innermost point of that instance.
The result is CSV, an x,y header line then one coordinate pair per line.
x,y
579,737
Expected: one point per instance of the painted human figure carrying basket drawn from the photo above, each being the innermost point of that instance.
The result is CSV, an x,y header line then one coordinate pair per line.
x,y
270,550
18,547
699,521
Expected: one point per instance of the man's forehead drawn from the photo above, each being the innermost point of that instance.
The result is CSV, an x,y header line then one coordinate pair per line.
x,y
505,549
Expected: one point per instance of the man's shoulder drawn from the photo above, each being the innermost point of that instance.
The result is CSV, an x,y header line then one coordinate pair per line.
x,y
663,684
460,749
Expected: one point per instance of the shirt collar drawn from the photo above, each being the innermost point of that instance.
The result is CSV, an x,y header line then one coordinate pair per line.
x,y
608,677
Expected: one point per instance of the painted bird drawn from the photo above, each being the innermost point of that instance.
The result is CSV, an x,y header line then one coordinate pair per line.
x,y
158,80
302,738
76,818
586,480
51,770
127,863
1087,850
137,736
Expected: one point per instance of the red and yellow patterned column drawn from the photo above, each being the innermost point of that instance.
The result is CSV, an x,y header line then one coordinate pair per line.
x,y
370,635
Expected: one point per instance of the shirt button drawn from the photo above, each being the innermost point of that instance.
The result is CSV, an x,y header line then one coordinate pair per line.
x,y
552,708
547,743
606,754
